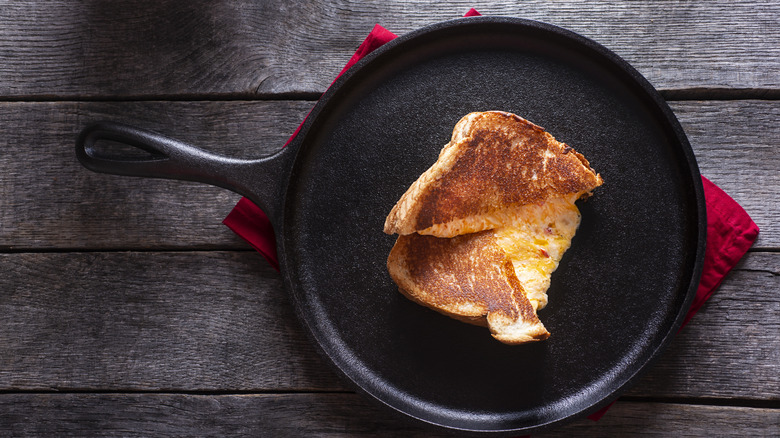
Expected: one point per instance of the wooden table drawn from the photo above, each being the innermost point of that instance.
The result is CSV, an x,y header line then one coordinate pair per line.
x,y
128,309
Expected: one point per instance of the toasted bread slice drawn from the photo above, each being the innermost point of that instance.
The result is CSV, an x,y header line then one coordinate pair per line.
x,y
469,278
495,164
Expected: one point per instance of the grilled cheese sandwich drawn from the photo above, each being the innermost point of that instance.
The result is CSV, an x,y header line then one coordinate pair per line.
x,y
498,203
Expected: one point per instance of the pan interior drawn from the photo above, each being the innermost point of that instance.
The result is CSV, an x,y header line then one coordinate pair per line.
x,y
618,290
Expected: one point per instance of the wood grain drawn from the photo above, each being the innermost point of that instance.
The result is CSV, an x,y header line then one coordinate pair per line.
x,y
328,415
200,321
736,147
208,321
144,48
733,338
679,420
48,200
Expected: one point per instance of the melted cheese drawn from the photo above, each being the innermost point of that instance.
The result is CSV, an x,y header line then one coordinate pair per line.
x,y
534,236
535,240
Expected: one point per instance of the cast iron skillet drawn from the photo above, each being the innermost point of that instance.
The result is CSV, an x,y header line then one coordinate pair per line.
x,y
619,294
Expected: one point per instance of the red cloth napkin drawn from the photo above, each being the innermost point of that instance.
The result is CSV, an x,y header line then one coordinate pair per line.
x,y
730,231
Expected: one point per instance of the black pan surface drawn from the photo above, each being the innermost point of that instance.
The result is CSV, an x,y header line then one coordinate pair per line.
x,y
620,291
619,294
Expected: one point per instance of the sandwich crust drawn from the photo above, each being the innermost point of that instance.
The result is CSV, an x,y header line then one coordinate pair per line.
x,y
495,161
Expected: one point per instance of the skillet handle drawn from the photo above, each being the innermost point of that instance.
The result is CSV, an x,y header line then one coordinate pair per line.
x,y
259,180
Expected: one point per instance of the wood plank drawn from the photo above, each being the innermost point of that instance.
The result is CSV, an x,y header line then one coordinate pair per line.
x,y
207,321
329,415
151,321
261,48
736,146
48,200
176,415
679,420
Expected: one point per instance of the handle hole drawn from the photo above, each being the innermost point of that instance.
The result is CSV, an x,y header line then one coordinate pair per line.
x,y
119,151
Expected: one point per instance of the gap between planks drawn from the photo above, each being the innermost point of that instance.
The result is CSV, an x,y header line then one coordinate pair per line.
x,y
692,401
682,94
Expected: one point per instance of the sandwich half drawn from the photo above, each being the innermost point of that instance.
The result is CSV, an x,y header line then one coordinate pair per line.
x,y
495,164
469,278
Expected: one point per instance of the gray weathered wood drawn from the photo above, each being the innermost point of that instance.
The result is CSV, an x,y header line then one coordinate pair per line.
x,y
205,321
177,415
250,48
141,321
48,200
328,415
736,147
678,420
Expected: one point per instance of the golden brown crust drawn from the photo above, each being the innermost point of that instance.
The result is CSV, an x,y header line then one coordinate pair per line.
x,y
469,278
495,160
